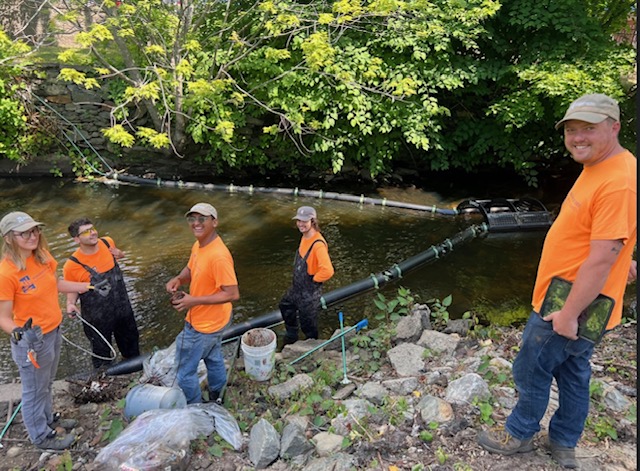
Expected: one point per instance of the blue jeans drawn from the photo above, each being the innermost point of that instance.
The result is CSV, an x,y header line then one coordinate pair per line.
x,y
191,347
545,355
37,392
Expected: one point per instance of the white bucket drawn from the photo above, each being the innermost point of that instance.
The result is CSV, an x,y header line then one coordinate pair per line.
x,y
259,352
146,397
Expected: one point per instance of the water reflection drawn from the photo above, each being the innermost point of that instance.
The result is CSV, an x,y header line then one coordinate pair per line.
x,y
148,224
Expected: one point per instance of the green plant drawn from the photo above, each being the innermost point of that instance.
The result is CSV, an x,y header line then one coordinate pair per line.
x,y
441,455
65,463
603,427
462,467
439,311
393,309
426,436
486,413
632,414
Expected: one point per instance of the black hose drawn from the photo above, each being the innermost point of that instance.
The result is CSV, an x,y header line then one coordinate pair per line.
x,y
372,282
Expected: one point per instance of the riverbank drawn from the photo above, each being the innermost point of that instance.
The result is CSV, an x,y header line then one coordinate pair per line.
x,y
416,399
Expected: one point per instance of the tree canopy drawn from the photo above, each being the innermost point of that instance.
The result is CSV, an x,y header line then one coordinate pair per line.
x,y
277,84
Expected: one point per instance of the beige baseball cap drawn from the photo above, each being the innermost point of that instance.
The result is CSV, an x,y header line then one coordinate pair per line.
x,y
593,108
17,221
203,208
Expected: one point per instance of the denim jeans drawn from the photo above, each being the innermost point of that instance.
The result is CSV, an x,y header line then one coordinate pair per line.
x,y
545,355
191,347
37,383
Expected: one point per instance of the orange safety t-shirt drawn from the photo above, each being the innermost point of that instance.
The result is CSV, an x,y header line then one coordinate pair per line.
x,y
600,206
211,267
34,292
319,263
101,261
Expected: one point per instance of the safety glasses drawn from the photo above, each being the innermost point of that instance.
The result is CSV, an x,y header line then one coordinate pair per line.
x,y
88,231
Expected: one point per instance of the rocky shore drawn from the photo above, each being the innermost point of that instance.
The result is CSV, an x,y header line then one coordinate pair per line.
x,y
406,397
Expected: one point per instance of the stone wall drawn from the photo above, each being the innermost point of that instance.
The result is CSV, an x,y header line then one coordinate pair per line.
x,y
77,116
80,113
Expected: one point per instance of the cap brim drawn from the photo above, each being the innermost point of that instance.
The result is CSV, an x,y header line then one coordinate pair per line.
x,y
593,118
26,226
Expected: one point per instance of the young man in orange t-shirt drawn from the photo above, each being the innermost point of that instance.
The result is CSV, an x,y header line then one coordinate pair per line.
x,y
591,245
213,287
107,308
311,268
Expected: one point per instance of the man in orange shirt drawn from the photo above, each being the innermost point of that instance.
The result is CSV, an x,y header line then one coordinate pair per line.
x,y
213,285
591,245
107,308
311,268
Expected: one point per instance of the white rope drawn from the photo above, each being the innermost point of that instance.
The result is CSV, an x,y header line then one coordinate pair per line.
x,y
101,336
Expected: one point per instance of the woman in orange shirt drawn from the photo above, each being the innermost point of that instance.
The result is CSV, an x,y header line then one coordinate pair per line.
x,y
311,268
30,313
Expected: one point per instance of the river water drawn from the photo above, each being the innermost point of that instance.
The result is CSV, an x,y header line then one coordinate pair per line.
x,y
148,223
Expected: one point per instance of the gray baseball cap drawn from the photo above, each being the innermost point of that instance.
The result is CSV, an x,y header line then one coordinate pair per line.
x,y
17,221
305,213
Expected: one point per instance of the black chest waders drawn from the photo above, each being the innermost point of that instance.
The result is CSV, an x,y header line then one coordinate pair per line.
x,y
301,302
108,309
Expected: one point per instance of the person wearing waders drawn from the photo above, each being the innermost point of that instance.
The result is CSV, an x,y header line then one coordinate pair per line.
x,y
107,306
311,268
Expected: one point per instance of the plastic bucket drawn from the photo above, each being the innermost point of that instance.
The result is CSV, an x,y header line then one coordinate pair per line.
x,y
146,397
259,352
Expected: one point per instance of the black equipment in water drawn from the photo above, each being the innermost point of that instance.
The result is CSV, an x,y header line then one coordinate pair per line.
x,y
510,215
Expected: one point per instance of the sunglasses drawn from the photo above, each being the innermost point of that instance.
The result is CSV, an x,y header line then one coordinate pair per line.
x,y
26,235
200,219
89,231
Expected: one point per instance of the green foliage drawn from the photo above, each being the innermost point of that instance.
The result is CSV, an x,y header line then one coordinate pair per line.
x,y
441,455
65,463
426,436
604,427
378,341
323,85
18,139
393,309
508,313
115,424
486,413
439,311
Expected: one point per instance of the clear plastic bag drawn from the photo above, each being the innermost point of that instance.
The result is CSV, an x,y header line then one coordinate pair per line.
x,y
224,423
160,368
160,438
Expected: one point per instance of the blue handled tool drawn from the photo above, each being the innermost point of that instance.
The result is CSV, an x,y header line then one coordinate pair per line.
x,y
360,325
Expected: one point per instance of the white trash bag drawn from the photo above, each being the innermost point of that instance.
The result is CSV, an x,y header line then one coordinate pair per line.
x,y
160,438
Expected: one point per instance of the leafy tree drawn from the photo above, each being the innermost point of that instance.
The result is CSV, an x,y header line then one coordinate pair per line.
x,y
16,139
278,84
538,57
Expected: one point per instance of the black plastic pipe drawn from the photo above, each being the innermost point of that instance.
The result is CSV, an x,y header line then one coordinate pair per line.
x,y
367,284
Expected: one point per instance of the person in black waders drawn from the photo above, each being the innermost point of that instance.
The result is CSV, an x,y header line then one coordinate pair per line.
x,y
311,268
106,307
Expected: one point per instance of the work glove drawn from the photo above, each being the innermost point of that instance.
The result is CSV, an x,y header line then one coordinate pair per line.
x,y
16,334
31,333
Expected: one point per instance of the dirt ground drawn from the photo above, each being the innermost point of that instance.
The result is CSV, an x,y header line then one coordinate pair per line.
x,y
98,407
